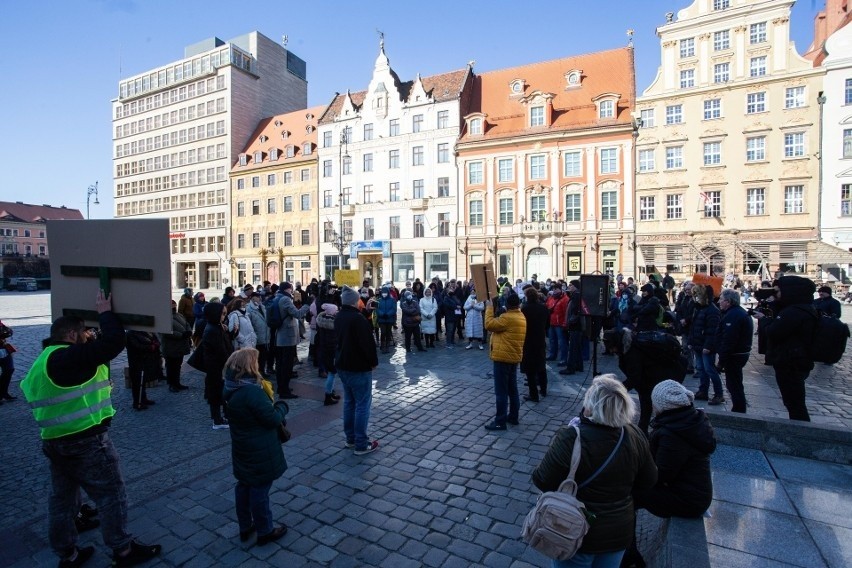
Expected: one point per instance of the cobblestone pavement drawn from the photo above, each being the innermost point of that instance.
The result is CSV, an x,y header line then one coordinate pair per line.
x,y
440,491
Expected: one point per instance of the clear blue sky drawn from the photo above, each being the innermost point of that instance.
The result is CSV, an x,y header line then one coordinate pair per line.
x,y
63,60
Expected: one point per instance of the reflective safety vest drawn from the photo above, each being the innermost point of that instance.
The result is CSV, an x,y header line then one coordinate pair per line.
x,y
62,411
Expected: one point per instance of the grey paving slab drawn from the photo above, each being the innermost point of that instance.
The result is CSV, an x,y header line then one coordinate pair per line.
x,y
823,504
720,556
757,492
834,542
813,473
741,460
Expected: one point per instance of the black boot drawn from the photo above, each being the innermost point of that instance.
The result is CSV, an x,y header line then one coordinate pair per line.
x,y
329,399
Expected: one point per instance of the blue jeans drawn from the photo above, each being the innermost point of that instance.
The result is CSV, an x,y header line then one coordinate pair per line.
x,y
90,463
556,339
357,397
506,389
705,370
253,505
451,332
601,560
329,383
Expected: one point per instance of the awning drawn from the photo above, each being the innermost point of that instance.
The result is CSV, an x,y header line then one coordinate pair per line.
x,y
824,253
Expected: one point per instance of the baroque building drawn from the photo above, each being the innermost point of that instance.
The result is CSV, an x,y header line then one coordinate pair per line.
x,y
274,226
387,176
546,165
727,152
178,130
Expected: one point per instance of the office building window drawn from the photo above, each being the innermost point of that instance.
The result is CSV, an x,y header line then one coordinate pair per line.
x,y
794,199
507,214
368,162
755,102
712,153
417,156
474,173
687,78
646,160
756,149
674,206
794,145
419,232
609,205
505,170
757,33
609,161
573,207
712,109
393,189
755,201
573,165
687,47
443,153
476,214
443,187
674,157
674,114
394,227
537,167
646,208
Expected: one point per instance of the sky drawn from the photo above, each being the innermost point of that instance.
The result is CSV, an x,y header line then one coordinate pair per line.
x,y
64,58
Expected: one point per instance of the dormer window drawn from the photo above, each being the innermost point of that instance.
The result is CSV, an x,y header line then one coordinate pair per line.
x,y
573,78
291,151
476,126
278,123
309,129
285,135
309,116
306,149
258,157
243,160
517,87
263,138
606,109
273,154
536,116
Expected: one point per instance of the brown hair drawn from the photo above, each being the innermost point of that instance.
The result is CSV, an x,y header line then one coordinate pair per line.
x,y
244,363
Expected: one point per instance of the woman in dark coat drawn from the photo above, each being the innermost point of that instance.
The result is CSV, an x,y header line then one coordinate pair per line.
x,y
175,346
533,362
143,358
327,348
256,451
410,307
217,347
199,301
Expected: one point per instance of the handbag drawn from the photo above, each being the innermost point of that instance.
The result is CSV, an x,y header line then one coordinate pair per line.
x,y
196,360
558,522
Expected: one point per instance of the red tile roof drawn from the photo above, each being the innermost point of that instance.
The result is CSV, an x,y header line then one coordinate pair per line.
x,y
610,71
269,134
26,213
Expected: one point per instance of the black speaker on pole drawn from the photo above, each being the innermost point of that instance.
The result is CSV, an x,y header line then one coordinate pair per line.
x,y
594,290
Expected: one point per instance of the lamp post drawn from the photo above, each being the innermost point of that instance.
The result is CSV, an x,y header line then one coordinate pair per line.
x,y
341,242
93,189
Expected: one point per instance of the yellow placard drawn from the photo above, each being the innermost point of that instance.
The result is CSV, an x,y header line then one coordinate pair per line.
x,y
351,278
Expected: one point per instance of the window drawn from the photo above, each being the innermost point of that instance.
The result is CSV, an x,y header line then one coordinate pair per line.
x,y
443,224
794,199
326,198
255,207
347,165
326,139
846,199
607,109
687,78
712,109
646,208
288,238
794,145
255,181
241,241
394,227
609,205
674,114
507,214
443,119
538,208
417,156
755,102
368,193
609,160
573,167
443,187
848,96
288,177
243,160
757,66
368,131
306,202
326,168
347,229
474,173
270,179
393,159
646,161
674,206
419,233
756,201
536,116
369,229
327,231
537,167
476,126
394,127
674,157
258,157
346,194
712,153
273,154
721,5
757,33
417,123
572,207
647,118
417,189
847,143
255,240
306,237
712,203
270,205
794,97
505,170
721,72
393,188
687,47
476,214
368,162
241,209
721,40
756,149
288,203
241,183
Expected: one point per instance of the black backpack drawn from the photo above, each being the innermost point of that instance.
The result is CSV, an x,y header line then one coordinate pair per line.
x,y
828,341
273,313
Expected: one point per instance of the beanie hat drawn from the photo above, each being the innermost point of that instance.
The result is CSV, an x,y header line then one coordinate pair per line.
x,y
824,290
575,283
513,301
349,296
285,286
648,288
670,394
796,290
330,309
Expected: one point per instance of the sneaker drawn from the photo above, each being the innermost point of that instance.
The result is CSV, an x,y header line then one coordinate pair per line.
x,y
716,401
221,426
349,445
81,555
701,395
469,346
481,347
138,554
371,447
491,426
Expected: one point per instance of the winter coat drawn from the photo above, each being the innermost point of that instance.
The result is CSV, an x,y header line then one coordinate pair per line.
x,y
452,308
410,313
736,329
256,452
241,330
828,306
473,325
186,308
176,344
573,319
557,308
685,309
257,316
645,313
428,313
507,335
143,347
215,342
198,313
288,334
609,495
326,340
386,310
788,335
535,347
705,324
681,442
356,344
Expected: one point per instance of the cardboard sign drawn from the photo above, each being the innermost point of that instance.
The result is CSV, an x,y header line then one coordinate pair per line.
x,y
484,281
351,278
128,257
713,282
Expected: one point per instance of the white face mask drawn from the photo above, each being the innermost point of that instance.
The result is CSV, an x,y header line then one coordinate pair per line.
x,y
384,294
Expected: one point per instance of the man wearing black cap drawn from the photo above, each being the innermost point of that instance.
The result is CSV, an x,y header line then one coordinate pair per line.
x,y
825,305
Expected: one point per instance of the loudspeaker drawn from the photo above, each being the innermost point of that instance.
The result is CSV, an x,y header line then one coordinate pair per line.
x,y
594,290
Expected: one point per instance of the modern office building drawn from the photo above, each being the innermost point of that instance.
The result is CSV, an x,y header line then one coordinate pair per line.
x,y
178,130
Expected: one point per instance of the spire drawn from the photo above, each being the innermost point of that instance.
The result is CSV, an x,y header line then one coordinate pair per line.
x,y
382,62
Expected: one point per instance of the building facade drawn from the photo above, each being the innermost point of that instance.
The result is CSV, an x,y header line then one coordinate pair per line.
x,y
387,176
178,130
274,227
546,166
727,166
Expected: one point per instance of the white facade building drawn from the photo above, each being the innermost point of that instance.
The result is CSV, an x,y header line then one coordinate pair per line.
x,y
177,131
397,196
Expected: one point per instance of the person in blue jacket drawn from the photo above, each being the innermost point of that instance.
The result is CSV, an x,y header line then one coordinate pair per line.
x,y
386,317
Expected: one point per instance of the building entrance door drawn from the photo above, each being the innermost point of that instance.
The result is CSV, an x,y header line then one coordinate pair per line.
x,y
538,263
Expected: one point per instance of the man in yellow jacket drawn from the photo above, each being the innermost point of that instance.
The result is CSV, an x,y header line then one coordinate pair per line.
x,y
507,347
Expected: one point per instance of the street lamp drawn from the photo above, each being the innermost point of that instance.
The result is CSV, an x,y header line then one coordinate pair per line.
x,y
341,242
93,189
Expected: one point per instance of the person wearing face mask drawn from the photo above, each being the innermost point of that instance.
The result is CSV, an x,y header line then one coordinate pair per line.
x,y
411,320
452,315
217,348
239,325
473,326
256,313
386,316
557,304
428,316
175,346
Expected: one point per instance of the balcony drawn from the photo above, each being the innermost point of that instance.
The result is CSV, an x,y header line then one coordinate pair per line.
x,y
347,210
420,204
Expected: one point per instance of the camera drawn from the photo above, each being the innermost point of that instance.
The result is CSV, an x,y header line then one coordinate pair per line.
x,y
763,294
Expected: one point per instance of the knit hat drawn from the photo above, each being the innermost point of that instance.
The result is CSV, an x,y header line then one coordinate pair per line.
x,y
513,301
648,288
330,309
575,284
349,296
285,286
670,394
